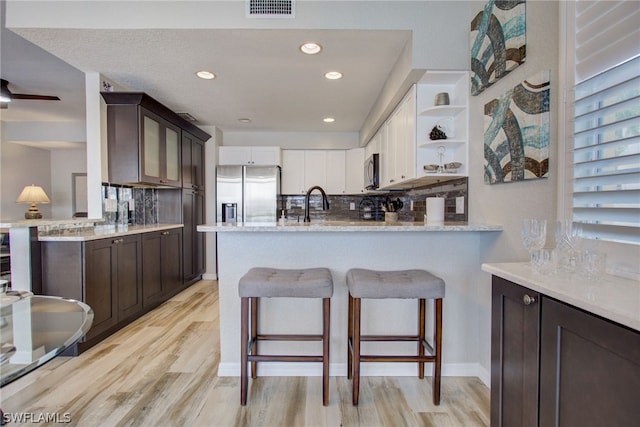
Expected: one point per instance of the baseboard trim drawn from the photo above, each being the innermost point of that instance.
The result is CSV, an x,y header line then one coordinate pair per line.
x,y
372,369
209,276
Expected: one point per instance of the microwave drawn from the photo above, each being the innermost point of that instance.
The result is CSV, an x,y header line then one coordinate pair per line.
x,y
372,172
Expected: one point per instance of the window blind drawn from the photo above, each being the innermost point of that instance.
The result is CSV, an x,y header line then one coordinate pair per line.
x,y
606,143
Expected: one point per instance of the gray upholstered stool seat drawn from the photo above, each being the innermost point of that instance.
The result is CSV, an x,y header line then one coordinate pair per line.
x,y
394,284
273,283
403,284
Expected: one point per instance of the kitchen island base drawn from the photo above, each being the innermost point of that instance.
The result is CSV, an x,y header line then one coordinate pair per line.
x,y
455,256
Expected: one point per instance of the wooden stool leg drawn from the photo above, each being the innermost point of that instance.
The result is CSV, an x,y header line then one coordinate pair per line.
x,y
244,338
421,334
326,338
349,338
438,350
254,335
356,350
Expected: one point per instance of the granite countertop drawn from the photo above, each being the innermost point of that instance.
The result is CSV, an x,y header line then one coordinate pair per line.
x,y
103,232
611,297
340,226
25,223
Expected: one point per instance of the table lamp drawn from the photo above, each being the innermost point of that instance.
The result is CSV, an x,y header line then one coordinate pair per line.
x,y
33,194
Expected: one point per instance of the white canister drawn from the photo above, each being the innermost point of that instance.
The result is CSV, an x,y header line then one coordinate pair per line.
x,y
435,210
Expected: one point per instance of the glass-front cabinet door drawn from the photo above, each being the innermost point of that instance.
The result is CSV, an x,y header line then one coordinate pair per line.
x,y
151,148
172,152
160,161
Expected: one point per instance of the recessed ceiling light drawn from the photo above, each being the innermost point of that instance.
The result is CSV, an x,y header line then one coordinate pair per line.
x,y
207,75
244,120
333,75
328,120
311,48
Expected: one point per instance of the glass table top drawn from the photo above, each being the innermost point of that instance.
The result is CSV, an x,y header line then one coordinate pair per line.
x,y
36,328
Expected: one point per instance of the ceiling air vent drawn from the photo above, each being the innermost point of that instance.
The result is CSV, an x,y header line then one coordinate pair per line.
x,y
271,8
188,117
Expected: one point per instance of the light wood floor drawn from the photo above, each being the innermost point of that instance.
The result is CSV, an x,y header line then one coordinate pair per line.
x,y
161,370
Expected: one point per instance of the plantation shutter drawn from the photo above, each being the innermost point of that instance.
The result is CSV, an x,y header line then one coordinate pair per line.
x,y
606,144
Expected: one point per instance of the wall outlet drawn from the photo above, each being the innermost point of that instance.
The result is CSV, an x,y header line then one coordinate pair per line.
x,y
352,206
460,205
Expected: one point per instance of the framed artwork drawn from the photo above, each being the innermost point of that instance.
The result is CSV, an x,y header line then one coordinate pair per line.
x,y
516,132
498,42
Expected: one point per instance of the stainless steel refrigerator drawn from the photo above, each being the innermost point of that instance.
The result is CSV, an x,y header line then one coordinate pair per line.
x,y
255,190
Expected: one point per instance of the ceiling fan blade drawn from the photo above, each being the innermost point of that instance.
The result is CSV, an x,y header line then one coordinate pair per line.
x,y
34,97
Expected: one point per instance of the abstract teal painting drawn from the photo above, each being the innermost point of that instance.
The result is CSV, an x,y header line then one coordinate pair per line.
x,y
516,132
498,42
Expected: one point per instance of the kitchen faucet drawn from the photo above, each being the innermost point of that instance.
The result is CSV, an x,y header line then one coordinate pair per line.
x,y
325,202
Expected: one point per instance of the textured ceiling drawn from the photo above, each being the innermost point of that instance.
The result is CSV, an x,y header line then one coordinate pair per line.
x,y
261,74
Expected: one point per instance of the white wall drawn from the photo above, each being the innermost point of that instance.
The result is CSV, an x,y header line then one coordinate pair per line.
x,y
64,163
294,140
21,166
507,204
211,159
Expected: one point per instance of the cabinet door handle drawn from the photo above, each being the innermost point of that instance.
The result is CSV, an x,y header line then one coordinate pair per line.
x,y
528,300
165,233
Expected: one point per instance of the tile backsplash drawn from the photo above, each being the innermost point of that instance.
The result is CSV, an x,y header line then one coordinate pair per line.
x,y
142,204
369,206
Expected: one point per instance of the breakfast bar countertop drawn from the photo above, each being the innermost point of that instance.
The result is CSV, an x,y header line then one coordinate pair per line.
x,y
101,232
340,226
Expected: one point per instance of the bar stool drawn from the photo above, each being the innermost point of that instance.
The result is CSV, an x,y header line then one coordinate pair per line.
x,y
273,283
417,284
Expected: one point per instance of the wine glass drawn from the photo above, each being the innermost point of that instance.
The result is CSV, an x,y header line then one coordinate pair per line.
x,y
534,235
568,244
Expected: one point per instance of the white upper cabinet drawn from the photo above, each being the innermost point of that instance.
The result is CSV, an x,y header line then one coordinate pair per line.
x,y
303,169
315,168
354,171
404,141
336,172
265,156
293,172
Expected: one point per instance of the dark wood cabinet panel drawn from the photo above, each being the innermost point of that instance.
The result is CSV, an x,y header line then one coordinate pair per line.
x,y
152,289
553,364
143,147
193,241
129,277
515,312
162,273
100,285
172,260
144,140
105,273
192,162
193,207
590,369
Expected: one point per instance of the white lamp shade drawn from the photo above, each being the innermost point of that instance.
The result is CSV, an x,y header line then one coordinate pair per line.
x,y
33,194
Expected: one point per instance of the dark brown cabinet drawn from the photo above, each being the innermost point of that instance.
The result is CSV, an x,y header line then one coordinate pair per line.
x,y
162,274
144,146
150,144
515,320
193,207
589,369
105,273
553,364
